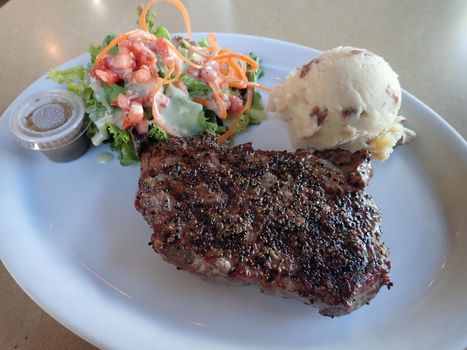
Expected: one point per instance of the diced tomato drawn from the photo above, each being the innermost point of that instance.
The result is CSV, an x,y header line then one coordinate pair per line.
x,y
142,75
134,116
122,101
107,76
142,127
125,49
101,65
210,73
236,104
126,121
122,63
143,54
162,48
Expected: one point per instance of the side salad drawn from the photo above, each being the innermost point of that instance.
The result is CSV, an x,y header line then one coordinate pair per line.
x,y
144,86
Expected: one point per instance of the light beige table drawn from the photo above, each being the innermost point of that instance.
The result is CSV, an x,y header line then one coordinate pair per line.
x,y
425,41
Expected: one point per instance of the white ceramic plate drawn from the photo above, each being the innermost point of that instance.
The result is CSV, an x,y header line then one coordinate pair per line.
x,y
72,239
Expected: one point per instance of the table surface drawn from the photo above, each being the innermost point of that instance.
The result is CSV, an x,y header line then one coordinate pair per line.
x,y
425,42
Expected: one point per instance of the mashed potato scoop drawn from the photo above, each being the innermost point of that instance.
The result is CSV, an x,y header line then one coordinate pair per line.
x,y
346,98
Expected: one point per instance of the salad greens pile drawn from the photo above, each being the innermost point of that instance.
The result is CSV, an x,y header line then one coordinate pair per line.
x,y
105,112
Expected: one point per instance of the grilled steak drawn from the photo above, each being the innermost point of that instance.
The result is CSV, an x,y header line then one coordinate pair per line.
x,y
296,224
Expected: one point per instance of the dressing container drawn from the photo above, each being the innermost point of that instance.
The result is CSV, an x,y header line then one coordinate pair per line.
x,y
52,122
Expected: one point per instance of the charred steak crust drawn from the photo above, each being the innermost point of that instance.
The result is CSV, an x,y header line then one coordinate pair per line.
x,y
292,223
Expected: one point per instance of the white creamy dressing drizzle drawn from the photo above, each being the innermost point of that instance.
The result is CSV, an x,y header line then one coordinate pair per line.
x,y
104,157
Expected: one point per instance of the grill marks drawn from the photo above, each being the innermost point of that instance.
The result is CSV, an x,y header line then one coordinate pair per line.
x,y
292,223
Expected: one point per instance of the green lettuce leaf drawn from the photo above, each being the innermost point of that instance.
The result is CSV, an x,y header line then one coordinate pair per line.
x,y
94,50
242,123
256,112
112,91
254,76
156,134
76,81
67,76
193,84
162,32
123,145
96,111
253,116
208,122
153,136
81,89
159,31
150,19
203,43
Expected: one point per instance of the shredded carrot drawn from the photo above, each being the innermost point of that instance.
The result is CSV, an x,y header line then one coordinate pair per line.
x,y
251,62
110,46
201,101
237,69
219,101
235,83
233,127
249,100
178,73
224,51
169,72
183,58
224,68
258,86
244,67
231,131
213,40
199,52
180,7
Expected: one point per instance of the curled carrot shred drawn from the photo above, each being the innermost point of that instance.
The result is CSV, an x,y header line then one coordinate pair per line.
x,y
180,7
251,62
201,101
178,73
237,84
199,52
182,57
237,69
217,96
249,100
224,137
110,46
258,86
224,68
214,45
170,71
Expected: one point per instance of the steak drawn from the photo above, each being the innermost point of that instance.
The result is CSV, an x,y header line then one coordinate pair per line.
x,y
295,224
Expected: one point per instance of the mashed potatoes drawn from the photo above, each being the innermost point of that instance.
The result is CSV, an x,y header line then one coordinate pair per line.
x,y
345,98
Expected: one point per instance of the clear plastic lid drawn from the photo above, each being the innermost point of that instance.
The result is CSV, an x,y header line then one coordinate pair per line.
x,y
48,120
